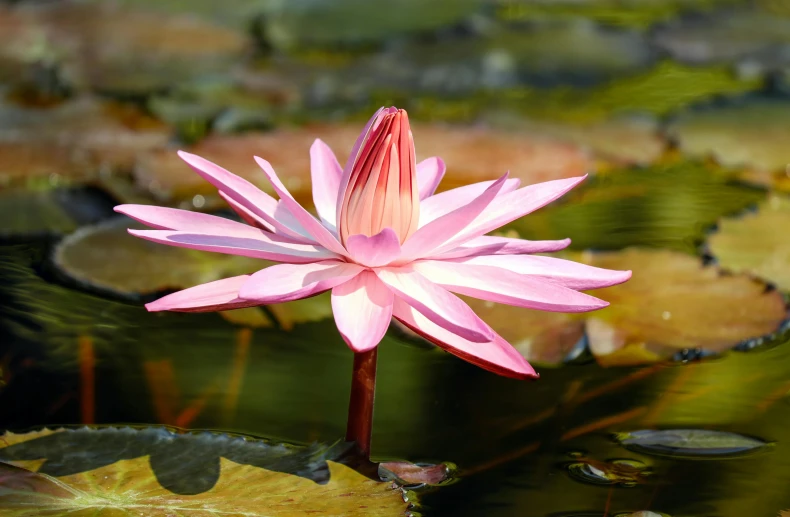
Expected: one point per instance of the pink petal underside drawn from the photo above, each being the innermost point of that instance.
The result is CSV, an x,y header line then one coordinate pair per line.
x,y
244,193
353,156
490,245
268,247
162,218
433,207
245,213
363,310
430,172
326,173
317,230
287,282
435,303
376,251
431,236
502,286
221,295
557,271
510,207
496,356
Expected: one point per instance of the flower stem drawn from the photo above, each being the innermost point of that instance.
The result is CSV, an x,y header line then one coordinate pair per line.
x,y
360,407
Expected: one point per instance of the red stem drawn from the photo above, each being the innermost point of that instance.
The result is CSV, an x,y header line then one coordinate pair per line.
x,y
360,408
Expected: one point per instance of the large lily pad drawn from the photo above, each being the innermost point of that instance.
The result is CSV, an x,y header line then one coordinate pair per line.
x,y
673,302
155,472
692,443
755,243
471,154
74,141
668,205
107,257
750,132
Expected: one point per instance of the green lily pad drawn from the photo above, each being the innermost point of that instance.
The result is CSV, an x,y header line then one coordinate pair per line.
x,y
154,472
105,256
750,132
313,23
673,302
755,244
668,205
692,443
728,36
26,213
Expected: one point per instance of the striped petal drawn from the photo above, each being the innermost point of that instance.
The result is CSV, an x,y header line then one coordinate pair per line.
x,y
221,295
362,308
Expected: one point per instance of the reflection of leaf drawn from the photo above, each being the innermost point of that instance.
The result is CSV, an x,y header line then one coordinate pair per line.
x,y
668,205
690,442
129,486
106,256
755,243
674,302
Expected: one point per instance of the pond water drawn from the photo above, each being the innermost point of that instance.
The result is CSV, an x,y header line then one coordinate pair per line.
x,y
678,110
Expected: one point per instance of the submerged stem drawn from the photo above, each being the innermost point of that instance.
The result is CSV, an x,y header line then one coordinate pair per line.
x,y
360,407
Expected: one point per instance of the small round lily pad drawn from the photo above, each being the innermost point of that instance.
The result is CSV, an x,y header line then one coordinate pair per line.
x,y
690,443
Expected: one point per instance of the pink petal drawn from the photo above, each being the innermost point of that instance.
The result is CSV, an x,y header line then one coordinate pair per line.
x,y
326,173
220,295
376,251
163,218
268,247
434,234
286,282
244,193
496,356
433,207
245,213
557,271
318,231
435,303
490,245
430,172
503,286
510,207
363,310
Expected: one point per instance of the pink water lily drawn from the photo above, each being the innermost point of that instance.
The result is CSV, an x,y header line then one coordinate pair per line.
x,y
386,246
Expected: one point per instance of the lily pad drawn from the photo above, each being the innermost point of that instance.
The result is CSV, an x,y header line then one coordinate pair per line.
x,y
508,58
754,243
691,443
673,302
155,472
622,472
751,132
728,36
105,256
668,205
72,142
314,23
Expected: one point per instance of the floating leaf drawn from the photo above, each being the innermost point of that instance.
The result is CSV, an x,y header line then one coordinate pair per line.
x,y
26,213
107,257
669,205
673,302
72,142
614,472
751,133
754,244
410,474
692,443
288,482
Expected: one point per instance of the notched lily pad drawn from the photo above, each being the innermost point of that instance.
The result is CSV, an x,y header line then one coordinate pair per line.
x,y
673,303
749,133
690,443
105,256
755,242
156,472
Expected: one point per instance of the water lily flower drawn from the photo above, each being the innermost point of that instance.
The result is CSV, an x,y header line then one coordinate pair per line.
x,y
385,244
